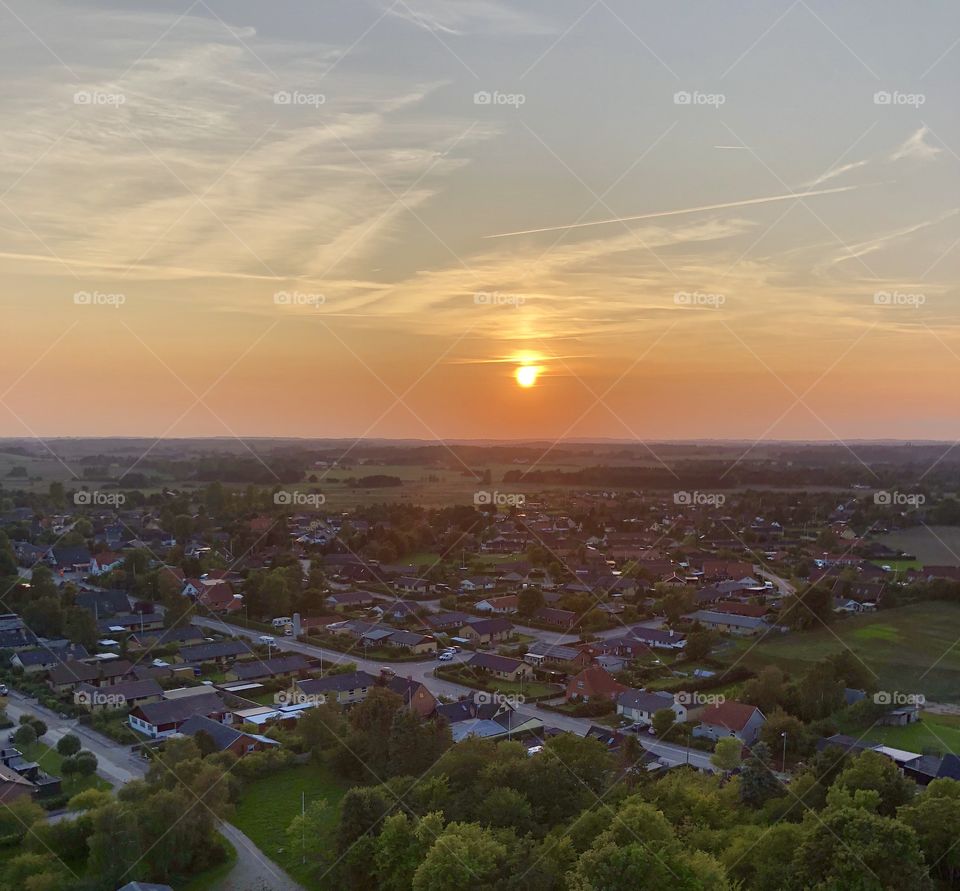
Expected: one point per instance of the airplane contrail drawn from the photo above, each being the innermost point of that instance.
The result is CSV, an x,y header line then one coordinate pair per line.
x,y
673,213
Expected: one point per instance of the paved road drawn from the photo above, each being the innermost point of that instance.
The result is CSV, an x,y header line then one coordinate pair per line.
x,y
674,755
420,671
253,871
115,763
783,586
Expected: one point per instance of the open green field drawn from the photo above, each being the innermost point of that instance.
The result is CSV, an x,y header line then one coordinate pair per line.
x,y
931,545
913,649
268,805
51,761
934,733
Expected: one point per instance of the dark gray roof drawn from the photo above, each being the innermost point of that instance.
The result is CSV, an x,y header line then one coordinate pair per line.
x,y
492,662
264,668
216,650
173,711
103,603
221,734
337,683
491,626
645,701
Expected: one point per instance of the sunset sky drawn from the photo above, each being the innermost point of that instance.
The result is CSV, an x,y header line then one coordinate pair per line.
x,y
264,219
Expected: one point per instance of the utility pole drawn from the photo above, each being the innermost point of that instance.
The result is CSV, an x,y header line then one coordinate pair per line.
x,y
783,762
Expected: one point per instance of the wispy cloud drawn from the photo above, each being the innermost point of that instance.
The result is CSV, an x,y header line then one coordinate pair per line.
x,y
916,147
768,199
835,172
461,17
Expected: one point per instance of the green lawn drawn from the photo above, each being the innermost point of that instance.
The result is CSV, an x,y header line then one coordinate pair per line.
x,y
939,733
268,805
913,649
482,681
51,761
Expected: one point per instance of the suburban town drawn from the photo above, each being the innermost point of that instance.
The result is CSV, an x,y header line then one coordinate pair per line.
x,y
216,686
479,445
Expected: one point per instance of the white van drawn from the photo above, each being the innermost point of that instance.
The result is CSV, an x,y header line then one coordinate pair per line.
x,y
282,621
266,639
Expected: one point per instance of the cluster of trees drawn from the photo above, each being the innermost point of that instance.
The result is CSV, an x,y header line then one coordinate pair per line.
x,y
377,739
577,817
159,829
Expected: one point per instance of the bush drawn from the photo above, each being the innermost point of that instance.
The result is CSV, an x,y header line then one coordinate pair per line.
x,y
68,745
24,736
86,763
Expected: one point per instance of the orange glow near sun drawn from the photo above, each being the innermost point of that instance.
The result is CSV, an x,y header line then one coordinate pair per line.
x,y
527,375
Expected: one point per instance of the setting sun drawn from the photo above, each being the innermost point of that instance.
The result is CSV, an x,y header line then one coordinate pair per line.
x,y
527,374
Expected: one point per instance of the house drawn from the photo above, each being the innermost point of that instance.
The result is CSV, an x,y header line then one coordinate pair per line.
x,y
540,653
502,606
626,648
659,638
402,609
640,706
103,603
69,675
219,597
484,631
13,786
413,641
123,695
163,718
415,695
500,666
410,585
345,688
477,583
478,716
14,634
130,622
350,600
594,682
153,638
730,718
219,651
728,623
560,618
46,656
265,669
105,561
225,738
449,621
69,559
756,610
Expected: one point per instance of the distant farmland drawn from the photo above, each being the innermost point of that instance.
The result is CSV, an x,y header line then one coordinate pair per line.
x,y
913,649
932,545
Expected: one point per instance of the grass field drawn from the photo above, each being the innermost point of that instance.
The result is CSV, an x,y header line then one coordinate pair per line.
x,y
913,649
268,805
211,878
934,733
51,761
931,545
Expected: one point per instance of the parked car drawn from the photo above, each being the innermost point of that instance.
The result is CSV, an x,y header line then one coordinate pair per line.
x,y
3,690
445,657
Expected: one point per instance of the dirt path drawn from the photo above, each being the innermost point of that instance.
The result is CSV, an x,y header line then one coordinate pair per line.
x,y
253,871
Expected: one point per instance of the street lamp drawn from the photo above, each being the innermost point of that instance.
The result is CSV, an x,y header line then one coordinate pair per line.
x,y
783,762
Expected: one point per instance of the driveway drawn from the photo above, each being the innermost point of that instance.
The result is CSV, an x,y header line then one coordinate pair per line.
x,y
253,871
